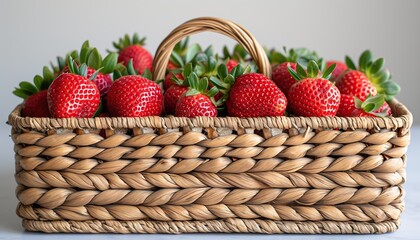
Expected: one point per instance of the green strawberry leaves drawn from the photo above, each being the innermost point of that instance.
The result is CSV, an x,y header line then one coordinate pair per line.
x,y
374,70
126,41
312,71
40,83
371,104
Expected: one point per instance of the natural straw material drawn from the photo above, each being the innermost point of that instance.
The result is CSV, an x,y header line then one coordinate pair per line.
x,y
224,174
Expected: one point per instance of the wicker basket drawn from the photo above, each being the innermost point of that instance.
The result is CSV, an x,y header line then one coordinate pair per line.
x,y
227,174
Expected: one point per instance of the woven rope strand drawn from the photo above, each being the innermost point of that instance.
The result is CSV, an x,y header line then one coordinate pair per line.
x,y
344,212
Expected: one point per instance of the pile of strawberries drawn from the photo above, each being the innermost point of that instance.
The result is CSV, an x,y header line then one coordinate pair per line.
x,y
202,83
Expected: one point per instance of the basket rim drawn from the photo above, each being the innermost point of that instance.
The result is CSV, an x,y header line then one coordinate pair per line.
x,y
402,120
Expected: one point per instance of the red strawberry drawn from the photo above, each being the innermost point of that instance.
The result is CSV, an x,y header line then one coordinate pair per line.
x,y
347,106
368,78
313,95
231,64
340,67
102,81
134,96
133,49
255,95
35,95
171,97
355,83
72,95
282,77
197,100
36,105
195,105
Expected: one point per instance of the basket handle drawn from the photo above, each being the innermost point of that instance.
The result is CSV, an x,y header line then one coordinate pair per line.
x,y
218,25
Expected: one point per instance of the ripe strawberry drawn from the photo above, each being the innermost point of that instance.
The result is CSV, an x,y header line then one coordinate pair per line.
x,y
340,67
313,95
133,49
73,95
281,75
255,95
91,57
231,64
134,96
347,106
171,97
368,79
36,105
197,101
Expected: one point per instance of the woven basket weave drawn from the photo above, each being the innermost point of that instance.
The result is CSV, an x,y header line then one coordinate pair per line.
x,y
224,174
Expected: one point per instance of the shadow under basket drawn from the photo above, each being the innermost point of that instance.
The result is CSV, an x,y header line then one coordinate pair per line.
x,y
183,175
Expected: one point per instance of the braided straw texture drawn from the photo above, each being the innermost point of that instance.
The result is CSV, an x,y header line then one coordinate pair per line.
x,y
224,174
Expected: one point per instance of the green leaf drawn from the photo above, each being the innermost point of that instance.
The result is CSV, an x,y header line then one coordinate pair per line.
x,y
48,75
147,74
350,64
188,69
300,71
212,92
94,59
193,80
373,103
72,66
364,59
84,51
192,51
116,74
222,71
226,53
239,71
127,41
328,72
38,82
110,63
177,59
136,38
313,69
61,63
376,66
293,73
83,71
27,86
203,84
21,93
357,102
216,82
389,88
277,57
130,68
192,92
209,51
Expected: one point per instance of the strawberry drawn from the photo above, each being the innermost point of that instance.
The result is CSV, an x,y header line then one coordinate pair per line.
x,y
368,79
230,64
255,95
171,97
73,94
34,95
133,49
93,59
313,95
346,106
36,105
197,100
281,75
134,96
340,67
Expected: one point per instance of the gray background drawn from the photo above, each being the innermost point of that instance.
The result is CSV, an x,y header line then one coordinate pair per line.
x,y
34,32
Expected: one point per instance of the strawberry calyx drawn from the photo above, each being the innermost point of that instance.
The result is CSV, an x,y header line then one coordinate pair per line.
x,y
312,71
378,76
198,85
81,70
39,84
126,41
295,55
93,59
371,105
183,53
121,70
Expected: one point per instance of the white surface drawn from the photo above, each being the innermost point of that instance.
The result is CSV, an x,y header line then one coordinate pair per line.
x,y
10,226
33,33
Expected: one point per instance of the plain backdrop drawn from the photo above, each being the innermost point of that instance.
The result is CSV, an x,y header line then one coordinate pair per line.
x,y
33,33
